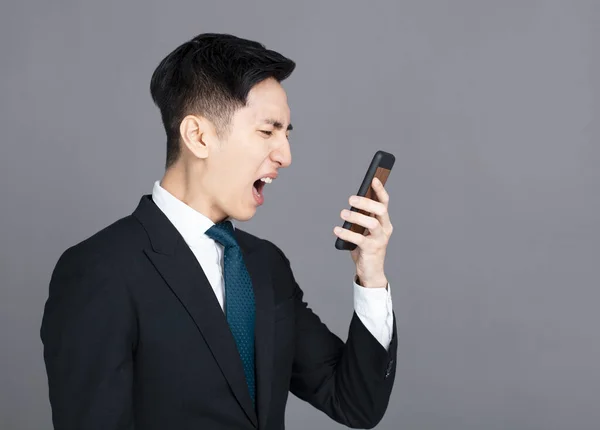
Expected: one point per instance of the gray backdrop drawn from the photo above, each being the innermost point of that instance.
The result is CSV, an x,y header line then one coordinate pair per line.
x,y
491,108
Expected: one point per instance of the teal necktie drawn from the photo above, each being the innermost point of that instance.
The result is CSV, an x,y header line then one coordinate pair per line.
x,y
239,298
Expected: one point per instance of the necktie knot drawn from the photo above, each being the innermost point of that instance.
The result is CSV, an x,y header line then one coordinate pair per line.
x,y
223,233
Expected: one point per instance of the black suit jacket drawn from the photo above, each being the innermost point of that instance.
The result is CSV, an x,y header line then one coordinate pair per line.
x,y
134,338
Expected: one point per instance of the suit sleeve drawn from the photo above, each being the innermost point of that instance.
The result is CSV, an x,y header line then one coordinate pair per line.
x,y
88,332
374,308
351,382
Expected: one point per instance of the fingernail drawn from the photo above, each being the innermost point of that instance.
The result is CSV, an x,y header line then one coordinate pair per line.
x,y
345,213
353,200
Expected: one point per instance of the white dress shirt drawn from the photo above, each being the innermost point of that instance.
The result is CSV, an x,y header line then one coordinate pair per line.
x,y
372,305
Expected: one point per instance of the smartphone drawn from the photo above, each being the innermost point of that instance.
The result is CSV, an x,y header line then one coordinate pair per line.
x,y
380,167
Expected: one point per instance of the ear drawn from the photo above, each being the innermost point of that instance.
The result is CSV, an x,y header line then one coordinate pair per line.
x,y
198,134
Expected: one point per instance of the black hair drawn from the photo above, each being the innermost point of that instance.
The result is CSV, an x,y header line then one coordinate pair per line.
x,y
211,75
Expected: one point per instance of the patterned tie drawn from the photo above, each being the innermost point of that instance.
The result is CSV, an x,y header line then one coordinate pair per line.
x,y
239,298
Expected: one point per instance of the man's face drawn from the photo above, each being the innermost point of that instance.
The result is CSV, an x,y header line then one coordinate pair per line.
x,y
255,146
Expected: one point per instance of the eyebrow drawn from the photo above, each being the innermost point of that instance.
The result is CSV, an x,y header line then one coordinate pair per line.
x,y
277,124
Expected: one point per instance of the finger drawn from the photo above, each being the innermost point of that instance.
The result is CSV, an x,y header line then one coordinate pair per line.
x,y
382,194
368,205
363,220
350,236
376,208
385,222
384,198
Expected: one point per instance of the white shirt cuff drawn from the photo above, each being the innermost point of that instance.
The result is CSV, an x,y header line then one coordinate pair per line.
x,y
374,308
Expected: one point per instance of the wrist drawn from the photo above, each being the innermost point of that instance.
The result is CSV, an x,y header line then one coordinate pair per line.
x,y
372,282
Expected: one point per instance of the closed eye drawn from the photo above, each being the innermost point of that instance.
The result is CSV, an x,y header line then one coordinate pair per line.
x,y
266,132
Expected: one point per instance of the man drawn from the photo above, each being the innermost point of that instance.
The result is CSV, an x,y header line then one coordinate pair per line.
x,y
172,318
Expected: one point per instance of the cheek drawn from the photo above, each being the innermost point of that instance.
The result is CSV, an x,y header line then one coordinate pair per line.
x,y
235,176
239,163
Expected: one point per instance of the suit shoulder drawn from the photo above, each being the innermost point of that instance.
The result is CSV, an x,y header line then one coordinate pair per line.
x,y
106,245
253,241
247,238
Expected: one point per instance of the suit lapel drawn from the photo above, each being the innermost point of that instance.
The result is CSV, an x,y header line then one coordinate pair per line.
x,y
180,269
264,326
188,282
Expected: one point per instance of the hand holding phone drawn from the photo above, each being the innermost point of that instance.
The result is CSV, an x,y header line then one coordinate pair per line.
x,y
380,168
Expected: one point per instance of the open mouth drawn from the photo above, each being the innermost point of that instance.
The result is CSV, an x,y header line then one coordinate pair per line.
x,y
258,186
257,189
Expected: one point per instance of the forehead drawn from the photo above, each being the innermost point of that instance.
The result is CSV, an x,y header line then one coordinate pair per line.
x,y
267,100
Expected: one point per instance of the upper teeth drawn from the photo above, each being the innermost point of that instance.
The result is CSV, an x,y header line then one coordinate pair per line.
x,y
267,180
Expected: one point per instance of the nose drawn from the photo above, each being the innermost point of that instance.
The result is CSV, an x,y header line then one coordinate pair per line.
x,y
282,154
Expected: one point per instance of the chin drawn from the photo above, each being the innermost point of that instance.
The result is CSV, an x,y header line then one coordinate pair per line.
x,y
243,215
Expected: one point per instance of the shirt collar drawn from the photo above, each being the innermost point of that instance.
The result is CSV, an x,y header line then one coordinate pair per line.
x,y
190,223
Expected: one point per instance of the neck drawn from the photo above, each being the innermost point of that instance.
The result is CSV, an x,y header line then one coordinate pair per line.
x,y
187,187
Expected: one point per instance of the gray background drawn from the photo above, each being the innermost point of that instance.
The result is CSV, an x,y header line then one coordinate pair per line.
x,y
491,108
